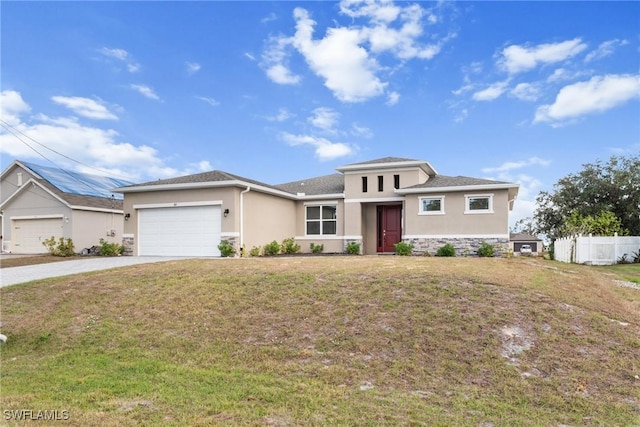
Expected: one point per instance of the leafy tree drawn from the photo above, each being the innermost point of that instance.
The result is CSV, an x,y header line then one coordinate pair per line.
x,y
604,224
597,189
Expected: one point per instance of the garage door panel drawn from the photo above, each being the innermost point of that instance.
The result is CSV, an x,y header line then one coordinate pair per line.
x,y
28,234
180,231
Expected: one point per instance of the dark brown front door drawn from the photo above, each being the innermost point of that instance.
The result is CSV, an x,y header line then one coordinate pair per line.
x,y
389,227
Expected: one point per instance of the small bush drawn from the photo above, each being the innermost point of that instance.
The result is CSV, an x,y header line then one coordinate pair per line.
x,y
110,249
316,249
255,251
486,250
64,247
636,257
403,248
289,246
272,248
353,248
446,250
226,249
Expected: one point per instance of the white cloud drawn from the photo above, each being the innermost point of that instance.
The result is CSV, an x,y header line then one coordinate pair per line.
x,y
361,131
338,58
270,17
492,92
208,100
392,98
282,116
509,166
526,91
525,204
274,61
12,106
324,118
605,49
346,57
146,91
85,107
94,146
598,94
516,58
192,67
123,56
324,149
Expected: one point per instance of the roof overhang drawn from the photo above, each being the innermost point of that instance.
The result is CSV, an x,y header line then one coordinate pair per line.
x,y
200,185
429,190
424,165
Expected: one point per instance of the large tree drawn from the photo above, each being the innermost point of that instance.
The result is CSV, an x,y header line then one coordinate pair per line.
x,y
600,187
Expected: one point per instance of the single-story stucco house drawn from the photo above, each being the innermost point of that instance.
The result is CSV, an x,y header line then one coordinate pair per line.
x,y
39,202
376,203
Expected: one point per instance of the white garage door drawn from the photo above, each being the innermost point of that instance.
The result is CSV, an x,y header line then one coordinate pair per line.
x,y
27,235
179,231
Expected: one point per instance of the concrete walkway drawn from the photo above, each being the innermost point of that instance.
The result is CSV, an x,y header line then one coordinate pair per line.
x,y
14,275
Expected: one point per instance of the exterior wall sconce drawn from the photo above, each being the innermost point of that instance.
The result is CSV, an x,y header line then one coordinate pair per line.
x,y
127,216
226,213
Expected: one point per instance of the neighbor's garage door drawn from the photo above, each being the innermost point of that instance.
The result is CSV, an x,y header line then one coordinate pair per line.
x,y
179,231
27,235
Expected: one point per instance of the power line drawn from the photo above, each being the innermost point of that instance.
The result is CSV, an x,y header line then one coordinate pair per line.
x,y
9,128
13,129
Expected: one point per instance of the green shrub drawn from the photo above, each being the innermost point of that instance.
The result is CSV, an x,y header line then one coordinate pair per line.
x,y
289,246
486,250
316,249
226,249
446,250
403,248
272,248
353,248
255,251
63,248
110,249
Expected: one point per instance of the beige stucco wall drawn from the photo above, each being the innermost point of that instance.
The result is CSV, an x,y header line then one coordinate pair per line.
x,y
9,183
353,182
89,227
455,222
34,202
267,218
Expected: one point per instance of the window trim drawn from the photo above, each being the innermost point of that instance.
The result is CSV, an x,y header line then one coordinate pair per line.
x,y
467,208
320,220
423,212
380,183
396,181
365,184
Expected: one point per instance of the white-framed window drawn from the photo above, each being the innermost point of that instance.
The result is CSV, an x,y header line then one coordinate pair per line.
x,y
432,205
321,220
478,203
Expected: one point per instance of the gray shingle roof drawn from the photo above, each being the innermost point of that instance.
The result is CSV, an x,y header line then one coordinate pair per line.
x,y
454,181
523,237
204,177
85,201
327,184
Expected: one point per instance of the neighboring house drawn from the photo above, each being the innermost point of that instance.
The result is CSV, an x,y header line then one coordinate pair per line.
x,y
38,202
376,204
519,239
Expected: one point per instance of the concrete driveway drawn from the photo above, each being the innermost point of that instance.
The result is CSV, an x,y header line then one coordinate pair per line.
x,y
14,275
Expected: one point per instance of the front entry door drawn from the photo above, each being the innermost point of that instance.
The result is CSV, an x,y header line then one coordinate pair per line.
x,y
389,219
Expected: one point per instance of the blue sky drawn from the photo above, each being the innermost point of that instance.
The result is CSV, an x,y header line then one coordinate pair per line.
x,y
278,91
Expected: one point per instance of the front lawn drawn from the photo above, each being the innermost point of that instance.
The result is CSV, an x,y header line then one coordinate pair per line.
x,y
326,341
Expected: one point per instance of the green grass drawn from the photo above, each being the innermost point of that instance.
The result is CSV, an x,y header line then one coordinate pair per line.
x,y
327,341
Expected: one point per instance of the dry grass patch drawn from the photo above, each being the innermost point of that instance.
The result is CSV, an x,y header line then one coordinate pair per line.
x,y
327,340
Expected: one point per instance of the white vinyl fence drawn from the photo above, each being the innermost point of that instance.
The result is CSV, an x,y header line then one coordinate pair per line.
x,y
596,250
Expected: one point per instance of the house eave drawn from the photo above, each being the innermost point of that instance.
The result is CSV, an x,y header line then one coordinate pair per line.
x,y
429,190
425,166
200,185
